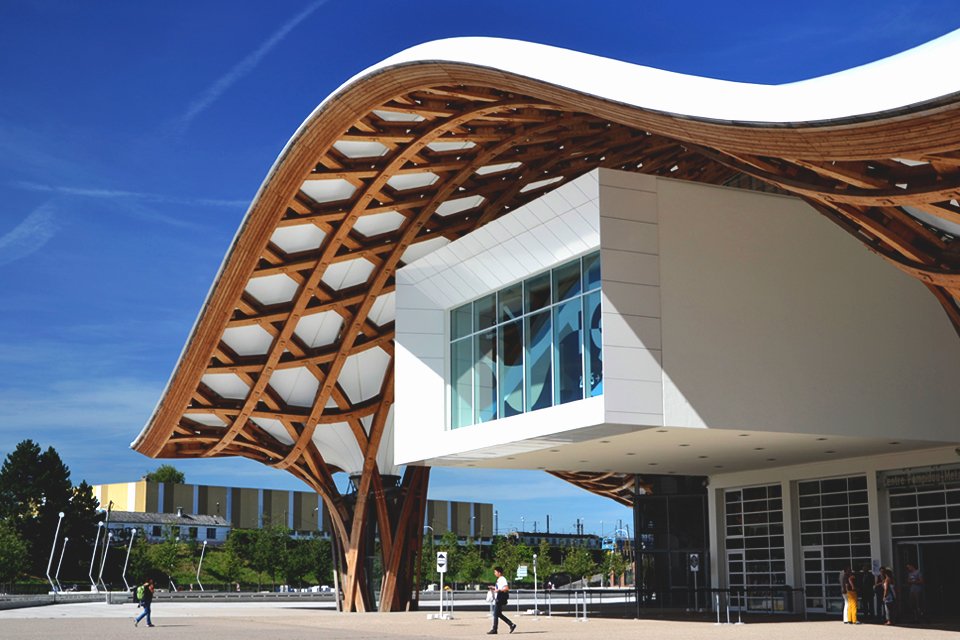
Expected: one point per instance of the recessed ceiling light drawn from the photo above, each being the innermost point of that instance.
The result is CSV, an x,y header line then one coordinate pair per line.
x,y
510,458
661,430
893,443
744,435
829,451
770,459
702,457
718,466
671,471
758,448
541,468
684,445
652,464
554,450
583,461
821,439
470,464
631,453
605,442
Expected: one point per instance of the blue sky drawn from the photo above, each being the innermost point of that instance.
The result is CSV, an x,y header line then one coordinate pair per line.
x,y
133,136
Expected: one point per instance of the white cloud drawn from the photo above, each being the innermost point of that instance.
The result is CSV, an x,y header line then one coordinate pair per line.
x,y
28,236
118,194
242,68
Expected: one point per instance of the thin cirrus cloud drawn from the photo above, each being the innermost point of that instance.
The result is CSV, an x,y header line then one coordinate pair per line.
x,y
242,68
118,194
30,235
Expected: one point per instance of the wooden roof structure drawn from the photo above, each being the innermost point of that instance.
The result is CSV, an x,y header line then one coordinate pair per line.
x,y
290,361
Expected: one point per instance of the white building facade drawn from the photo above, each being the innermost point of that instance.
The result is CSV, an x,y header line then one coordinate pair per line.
x,y
731,339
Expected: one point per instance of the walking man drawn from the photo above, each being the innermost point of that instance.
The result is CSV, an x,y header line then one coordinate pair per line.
x,y
502,590
145,594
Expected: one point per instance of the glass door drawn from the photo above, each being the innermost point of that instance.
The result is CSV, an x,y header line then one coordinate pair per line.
x,y
814,584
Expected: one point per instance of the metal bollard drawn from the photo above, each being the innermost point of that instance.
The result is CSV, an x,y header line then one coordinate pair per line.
x,y
716,600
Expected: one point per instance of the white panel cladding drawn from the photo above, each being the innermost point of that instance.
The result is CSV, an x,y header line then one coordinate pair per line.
x,y
773,320
629,253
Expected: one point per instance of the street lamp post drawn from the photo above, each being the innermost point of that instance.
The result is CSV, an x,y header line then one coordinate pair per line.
x,y
93,556
200,564
106,550
56,576
56,535
133,534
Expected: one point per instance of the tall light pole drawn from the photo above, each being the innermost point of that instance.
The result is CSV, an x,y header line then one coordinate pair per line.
x,y
56,577
200,564
93,556
56,535
133,534
106,550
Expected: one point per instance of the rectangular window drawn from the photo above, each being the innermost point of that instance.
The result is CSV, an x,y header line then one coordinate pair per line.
x,y
156,531
211,533
531,345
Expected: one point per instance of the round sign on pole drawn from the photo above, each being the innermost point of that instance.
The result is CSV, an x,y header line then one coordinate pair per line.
x,y
441,561
694,562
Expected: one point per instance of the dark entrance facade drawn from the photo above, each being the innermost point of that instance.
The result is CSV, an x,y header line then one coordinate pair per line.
x,y
671,541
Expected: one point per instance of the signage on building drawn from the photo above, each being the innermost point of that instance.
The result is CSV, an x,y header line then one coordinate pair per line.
x,y
695,562
921,478
441,561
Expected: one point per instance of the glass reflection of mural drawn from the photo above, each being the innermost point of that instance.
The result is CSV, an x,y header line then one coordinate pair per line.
x,y
531,345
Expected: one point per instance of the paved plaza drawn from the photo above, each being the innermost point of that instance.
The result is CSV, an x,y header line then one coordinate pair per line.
x,y
295,621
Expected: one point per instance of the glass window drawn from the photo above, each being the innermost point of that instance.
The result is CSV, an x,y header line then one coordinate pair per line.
x,y
539,379
593,345
568,349
461,322
531,345
536,292
484,312
591,272
461,383
485,377
211,533
566,281
511,368
511,302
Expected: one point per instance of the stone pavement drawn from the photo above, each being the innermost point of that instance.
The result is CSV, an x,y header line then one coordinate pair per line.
x,y
308,621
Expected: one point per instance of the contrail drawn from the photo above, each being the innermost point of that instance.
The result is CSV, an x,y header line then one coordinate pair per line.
x,y
116,194
28,236
241,69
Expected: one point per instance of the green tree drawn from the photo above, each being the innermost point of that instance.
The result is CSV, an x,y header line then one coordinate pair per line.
x,y
469,563
13,553
579,563
231,564
545,564
428,556
80,526
34,488
267,548
614,564
167,557
510,553
451,544
300,558
166,473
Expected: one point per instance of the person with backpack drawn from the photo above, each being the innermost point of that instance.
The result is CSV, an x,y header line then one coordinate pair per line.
x,y
144,595
502,591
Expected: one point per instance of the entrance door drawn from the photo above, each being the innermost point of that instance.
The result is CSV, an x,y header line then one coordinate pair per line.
x,y
814,583
937,561
735,575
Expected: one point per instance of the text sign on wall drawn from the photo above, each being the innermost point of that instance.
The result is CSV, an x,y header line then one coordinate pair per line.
x,y
924,478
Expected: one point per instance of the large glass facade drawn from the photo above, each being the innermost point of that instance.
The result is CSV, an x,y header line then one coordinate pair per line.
x,y
531,345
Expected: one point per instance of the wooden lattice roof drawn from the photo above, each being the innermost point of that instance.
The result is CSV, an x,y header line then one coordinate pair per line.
x,y
291,360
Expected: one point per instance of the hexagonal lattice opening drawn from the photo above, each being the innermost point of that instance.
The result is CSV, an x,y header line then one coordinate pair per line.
x,y
377,223
319,329
226,385
360,148
496,168
252,340
272,289
416,180
397,116
384,309
295,386
331,190
275,428
301,237
452,145
348,273
362,374
460,204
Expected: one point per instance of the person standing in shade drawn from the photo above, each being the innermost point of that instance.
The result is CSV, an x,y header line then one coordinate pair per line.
x,y
146,600
889,595
849,588
502,590
915,592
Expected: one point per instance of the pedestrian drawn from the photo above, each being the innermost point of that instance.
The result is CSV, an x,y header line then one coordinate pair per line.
x,y
889,595
502,591
915,592
849,588
867,580
145,595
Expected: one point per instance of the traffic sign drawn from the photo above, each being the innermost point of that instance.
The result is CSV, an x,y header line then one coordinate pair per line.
x,y
522,571
694,562
441,561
